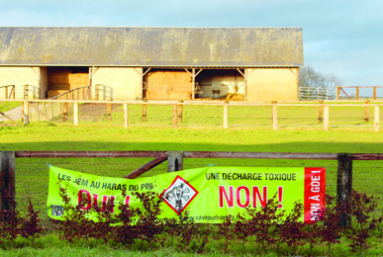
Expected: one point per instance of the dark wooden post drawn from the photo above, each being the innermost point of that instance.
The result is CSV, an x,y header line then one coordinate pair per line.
x,y
109,112
344,186
144,113
175,161
367,111
175,107
374,93
7,180
320,111
65,112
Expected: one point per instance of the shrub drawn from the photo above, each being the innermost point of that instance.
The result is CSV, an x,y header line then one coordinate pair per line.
x,y
12,225
361,208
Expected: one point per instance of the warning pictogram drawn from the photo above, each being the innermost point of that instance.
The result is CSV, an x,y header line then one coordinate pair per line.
x,y
179,194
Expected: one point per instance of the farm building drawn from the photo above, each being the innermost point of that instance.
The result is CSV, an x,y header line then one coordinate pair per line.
x,y
251,64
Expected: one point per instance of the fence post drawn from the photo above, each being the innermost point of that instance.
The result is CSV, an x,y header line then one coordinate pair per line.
x,y
144,113
109,112
344,186
320,111
175,107
52,112
126,115
6,93
26,112
7,180
367,111
376,118
326,117
357,93
180,110
175,161
75,113
65,112
337,92
275,118
14,92
26,92
225,116
38,110
97,89
374,93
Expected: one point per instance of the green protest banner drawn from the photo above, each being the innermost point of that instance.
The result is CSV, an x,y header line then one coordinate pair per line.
x,y
209,194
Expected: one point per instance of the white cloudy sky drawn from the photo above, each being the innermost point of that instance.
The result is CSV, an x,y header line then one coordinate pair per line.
x,y
343,38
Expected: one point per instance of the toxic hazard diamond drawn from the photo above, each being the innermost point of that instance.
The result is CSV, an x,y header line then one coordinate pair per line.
x,y
179,194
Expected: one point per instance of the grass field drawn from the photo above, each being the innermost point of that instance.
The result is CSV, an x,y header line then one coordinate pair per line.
x,y
6,106
32,174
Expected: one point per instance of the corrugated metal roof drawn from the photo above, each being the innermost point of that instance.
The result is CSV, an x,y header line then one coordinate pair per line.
x,y
151,47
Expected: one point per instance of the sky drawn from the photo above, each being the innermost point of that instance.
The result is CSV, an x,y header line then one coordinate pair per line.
x,y
341,38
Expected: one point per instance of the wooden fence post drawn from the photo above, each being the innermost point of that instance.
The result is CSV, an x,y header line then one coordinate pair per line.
x,y
344,186
376,118
225,116
374,93
65,112
175,161
109,112
97,93
38,110
272,102
75,114
52,112
320,111
144,113
275,118
337,92
367,111
357,93
326,117
26,112
7,180
175,107
126,113
26,92
180,112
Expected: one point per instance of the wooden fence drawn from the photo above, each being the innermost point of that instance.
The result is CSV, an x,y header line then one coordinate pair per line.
x,y
340,89
322,107
175,163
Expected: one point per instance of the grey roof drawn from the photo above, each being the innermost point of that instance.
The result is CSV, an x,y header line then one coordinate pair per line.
x,y
151,47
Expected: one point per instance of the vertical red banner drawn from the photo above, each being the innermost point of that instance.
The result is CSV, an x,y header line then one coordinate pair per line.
x,y
315,191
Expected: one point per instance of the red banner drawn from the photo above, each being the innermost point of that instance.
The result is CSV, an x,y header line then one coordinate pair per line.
x,y
315,190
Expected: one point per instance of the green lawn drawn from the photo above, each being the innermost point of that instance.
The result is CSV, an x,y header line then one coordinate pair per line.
x,y
6,106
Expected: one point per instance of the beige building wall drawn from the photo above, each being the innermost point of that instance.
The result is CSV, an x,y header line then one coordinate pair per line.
x,y
119,82
272,84
34,77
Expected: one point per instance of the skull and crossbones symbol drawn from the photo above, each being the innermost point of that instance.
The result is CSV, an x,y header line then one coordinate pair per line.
x,y
178,193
